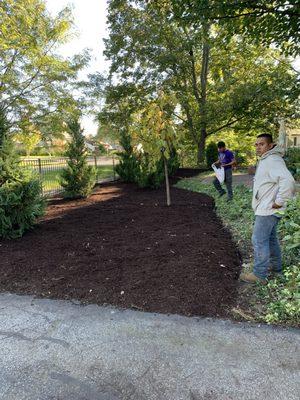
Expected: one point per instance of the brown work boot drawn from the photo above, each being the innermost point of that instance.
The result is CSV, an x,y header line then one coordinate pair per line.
x,y
251,278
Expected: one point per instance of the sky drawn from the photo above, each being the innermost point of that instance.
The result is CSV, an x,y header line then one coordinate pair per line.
x,y
90,28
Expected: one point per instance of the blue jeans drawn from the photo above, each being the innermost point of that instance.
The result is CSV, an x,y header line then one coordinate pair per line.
x,y
228,183
267,253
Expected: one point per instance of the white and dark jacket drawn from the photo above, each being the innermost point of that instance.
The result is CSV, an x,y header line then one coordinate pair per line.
x,y
273,183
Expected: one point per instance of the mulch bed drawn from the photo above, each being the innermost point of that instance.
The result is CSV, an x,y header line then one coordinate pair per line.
x,y
123,246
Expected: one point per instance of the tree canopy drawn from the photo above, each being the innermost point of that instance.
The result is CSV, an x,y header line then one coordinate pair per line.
x,y
218,80
263,21
34,79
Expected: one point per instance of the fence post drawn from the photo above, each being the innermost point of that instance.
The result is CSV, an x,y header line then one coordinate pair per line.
x,y
40,174
40,167
114,167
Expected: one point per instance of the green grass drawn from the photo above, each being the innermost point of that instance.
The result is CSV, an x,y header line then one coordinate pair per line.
x,y
279,301
41,157
51,178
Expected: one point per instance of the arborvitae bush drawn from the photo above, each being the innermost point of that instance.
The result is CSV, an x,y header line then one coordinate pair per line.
x,y
128,167
152,174
211,153
173,162
21,204
142,169
79,178
21,201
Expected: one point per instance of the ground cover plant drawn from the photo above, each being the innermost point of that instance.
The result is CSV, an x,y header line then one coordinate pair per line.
x,y
279,300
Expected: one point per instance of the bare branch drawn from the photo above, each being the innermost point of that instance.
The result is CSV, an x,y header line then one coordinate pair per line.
x,y
194,77
8,68
179,117
228,123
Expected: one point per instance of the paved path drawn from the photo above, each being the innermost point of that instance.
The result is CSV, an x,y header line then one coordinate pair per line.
x,y
238,179
56,350
243,179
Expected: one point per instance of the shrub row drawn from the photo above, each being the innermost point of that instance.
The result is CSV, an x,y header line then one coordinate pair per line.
x,y
141,168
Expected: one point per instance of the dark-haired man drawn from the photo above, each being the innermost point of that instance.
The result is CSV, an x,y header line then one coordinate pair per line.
x,y
226,160
273,187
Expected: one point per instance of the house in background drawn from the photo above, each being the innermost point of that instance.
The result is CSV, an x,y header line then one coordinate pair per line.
x,y
92,147
292,138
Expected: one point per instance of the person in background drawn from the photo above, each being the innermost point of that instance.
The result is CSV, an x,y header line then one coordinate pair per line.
x,y
225,159
273,186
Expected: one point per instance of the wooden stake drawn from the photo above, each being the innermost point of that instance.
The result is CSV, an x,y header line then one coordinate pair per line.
x,y
167,177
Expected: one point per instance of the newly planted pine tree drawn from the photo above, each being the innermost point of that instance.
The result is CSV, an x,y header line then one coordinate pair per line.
x,y
78,179
128,167
21,201
9,160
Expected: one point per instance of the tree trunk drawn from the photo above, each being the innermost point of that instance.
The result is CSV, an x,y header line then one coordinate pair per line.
x,y
201,149
203,91
200,94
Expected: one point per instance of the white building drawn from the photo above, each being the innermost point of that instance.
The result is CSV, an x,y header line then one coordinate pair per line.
x,y
292,137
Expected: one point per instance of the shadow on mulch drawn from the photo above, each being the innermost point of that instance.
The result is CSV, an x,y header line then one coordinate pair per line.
x,y
123,246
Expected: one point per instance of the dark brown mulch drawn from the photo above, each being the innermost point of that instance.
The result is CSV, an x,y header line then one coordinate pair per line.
x,y
123,246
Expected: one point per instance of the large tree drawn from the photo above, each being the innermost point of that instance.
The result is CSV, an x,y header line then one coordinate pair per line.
x,y
34,79
219,81
263,21
28,135
154,127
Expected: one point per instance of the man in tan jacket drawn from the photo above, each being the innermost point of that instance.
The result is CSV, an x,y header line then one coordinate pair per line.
x,y
273,187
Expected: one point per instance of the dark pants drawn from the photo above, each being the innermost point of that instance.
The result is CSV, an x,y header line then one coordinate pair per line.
x,y
228,183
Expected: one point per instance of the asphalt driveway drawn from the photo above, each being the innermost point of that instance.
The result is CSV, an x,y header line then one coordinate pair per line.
x,y
58,350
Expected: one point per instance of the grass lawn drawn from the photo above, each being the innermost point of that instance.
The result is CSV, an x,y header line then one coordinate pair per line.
x,y
51,178
278,301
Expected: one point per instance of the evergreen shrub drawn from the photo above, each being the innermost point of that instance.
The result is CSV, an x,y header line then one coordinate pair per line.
x,y
211,154
21,201
78,178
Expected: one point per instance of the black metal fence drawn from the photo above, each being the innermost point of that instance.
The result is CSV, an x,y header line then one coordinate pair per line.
x,y
49,170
